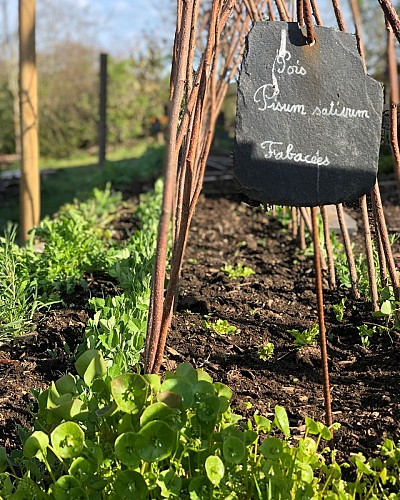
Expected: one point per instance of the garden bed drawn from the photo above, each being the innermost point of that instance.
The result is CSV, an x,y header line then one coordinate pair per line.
x,y
263,306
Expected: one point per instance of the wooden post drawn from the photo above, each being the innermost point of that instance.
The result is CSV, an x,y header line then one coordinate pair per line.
x,y
103,110
30,178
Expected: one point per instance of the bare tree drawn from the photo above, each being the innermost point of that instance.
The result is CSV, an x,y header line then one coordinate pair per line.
x,y
9,49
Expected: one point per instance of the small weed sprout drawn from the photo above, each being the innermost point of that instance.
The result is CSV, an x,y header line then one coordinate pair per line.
x,y
266,351
306,337
220,326
238,271
339,309
366,333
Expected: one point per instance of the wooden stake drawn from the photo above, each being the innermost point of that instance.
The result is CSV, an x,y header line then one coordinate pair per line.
x,y
321,317
103,110
30,178
370,255
349,251
328,247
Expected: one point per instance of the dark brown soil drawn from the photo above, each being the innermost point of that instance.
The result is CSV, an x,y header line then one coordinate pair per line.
x,y
264,306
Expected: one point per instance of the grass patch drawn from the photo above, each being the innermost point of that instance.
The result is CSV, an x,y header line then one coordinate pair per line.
x,y
70,182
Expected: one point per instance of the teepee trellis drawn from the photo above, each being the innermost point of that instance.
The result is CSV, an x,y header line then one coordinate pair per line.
x,y
195,100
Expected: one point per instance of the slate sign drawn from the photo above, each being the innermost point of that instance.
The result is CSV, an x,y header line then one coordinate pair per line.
x,y
308,124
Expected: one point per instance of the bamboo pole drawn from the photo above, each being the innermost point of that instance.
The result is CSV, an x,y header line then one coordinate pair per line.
x,y
30,178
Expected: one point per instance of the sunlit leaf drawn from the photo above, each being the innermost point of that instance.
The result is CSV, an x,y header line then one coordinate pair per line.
x,y
91,365
179,386
67,440
173,417
125,449
38,441
281,420
215,469
130,392
155,441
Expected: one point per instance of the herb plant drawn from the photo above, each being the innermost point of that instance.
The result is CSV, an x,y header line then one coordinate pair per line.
x,y
266,351
366,333
238,271
220,326
306,337
339,309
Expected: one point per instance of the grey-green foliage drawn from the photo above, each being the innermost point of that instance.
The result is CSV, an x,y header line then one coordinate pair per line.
x,y
18,290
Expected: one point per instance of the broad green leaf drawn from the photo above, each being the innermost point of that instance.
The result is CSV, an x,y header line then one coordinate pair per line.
x,y
155,441
91,365
130,392
203,375
66,488
153,380
312,426
199,488
204,387
38,441
169,483
215,469
386,308
130,485
173,417
82,469
179,386
66,384
262,423
233,450
223,390
187,371
271,448
281,420
70,410
207,408
3,460
125,449
67,440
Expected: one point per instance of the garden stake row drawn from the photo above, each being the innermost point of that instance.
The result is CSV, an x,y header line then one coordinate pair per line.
x,y
321,318
189,136
394,101
188,141
328,248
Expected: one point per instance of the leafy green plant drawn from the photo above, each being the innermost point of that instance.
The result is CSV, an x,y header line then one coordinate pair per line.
x,y
142,437
306,337
220,326
389,308
339,309
19,298
266,351
238,271
366,333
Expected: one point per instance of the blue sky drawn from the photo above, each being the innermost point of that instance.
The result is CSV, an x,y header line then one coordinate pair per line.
x,y
118,26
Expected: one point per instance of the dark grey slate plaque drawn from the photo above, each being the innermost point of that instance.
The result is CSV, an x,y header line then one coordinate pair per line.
x,y
308,124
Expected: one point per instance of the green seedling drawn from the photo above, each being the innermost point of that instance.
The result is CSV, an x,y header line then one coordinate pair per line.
x,y
389,309
366,333
339,309
266,351
220,326
306,337
238,271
